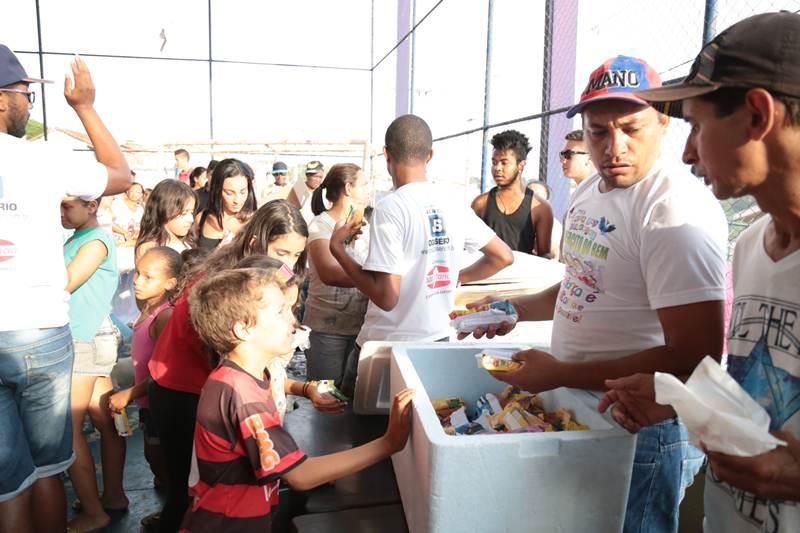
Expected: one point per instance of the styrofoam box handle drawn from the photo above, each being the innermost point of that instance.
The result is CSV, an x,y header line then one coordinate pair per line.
x,y
539,448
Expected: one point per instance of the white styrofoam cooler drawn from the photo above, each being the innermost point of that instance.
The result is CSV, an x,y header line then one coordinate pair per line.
x,y
550,482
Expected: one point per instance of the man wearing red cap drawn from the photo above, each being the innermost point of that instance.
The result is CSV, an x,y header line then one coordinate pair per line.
x,y
742,100
644,288
36,351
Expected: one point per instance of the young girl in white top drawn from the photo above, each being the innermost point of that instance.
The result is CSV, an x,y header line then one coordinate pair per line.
x,y
334,310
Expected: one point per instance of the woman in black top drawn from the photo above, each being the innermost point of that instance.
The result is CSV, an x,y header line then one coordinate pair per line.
x,y
231,202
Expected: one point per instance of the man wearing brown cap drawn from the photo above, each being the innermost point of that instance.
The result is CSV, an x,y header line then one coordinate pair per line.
x,y
644,287
742,100
36,352
300,195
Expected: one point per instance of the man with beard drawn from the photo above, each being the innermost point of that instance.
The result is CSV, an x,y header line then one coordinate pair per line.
x,y
36,352
522,219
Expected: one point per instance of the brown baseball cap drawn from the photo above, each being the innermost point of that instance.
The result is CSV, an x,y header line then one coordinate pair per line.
x,y
760,51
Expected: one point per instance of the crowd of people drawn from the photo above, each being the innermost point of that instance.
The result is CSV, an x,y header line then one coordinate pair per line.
x,y
225,271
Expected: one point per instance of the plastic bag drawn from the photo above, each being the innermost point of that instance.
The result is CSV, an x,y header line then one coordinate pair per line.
x,y
717,411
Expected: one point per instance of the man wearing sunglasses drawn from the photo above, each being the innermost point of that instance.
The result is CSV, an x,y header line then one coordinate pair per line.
x,y
36,352
575,161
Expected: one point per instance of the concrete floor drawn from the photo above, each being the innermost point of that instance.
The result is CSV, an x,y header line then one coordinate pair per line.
x,y
138,483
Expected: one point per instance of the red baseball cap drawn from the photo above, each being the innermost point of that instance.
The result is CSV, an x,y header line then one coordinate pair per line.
x,y
617,79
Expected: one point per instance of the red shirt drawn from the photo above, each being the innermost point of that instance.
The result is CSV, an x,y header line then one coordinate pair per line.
x,y
240,453
180,359
183,175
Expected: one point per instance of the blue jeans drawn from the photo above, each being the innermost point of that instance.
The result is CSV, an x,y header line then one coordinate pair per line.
x,y
665,464
35,417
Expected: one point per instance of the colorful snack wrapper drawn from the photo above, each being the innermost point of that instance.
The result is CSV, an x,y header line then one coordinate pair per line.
x,y
488,403
447,403
493,314
497,360
326,385
122,425
510,411
358,218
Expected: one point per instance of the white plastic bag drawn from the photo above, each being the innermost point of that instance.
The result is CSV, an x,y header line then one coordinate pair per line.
x,y
717,411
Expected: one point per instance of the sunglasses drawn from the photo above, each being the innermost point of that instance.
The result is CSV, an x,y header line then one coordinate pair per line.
x,y
567,154
30,96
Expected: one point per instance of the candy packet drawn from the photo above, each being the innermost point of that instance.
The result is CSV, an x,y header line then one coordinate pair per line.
x,y
326,385
497,360
495,313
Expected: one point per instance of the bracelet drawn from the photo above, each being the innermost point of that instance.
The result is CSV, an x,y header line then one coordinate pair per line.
x,y
305,388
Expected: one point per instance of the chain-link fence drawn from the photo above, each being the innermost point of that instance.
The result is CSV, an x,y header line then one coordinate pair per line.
x,y
518,64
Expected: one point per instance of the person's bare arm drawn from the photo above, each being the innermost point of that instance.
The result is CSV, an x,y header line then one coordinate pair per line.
x,y
496,256
157,326
327,267
479,204
531,307
84,264
381,288
80,94
542,218
691,332
316,471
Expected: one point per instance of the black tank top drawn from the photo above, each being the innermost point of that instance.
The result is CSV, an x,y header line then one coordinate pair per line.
x,y
515,229
203,242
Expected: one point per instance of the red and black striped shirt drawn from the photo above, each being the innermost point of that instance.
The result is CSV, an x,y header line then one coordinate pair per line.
x,y
240,452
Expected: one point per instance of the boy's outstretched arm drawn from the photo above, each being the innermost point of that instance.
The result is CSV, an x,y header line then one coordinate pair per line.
x,y
316,471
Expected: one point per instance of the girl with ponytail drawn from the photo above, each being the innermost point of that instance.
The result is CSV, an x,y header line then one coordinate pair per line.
x,y
334,310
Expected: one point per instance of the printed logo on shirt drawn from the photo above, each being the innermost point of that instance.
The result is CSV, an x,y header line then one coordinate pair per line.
x,y
438,276
438,231
767,330
266,449
8,250
585,259
770,327
6,207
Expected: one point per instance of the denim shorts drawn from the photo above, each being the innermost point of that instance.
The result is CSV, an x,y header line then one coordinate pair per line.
x,y
35,419
98,356
664,466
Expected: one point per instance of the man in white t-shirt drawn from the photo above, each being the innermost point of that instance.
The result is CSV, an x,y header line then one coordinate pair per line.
x,y
742,100
417,240
644,286
35,344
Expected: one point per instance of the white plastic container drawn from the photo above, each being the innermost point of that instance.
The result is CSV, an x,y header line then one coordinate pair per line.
x,y
574,481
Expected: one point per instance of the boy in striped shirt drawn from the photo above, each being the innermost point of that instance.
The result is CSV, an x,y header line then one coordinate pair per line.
x,y
241,451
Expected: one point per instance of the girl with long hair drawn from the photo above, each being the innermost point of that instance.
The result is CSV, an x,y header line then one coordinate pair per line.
x,y
231,202
168,218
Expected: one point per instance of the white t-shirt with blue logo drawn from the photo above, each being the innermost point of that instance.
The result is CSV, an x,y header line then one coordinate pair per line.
x,y
34,178
420,232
